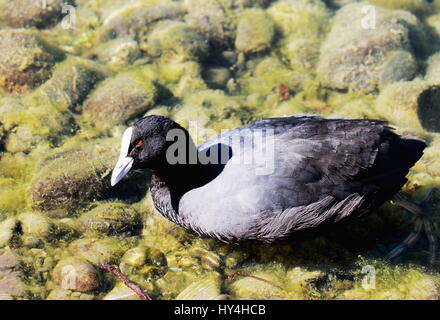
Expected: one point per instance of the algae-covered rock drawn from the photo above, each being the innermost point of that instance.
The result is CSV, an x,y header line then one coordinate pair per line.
x,y
111,219
303,25
299,281
27,13
118,52
121,292
416,6
426,174
97,251
358,59
399,66
213,24
433,69
119,99
144,255
267,76
412,105
424,289
170,38
10,276
28,125
72,178
204,289
135,20
26,60
229,6
41,227
216,77
7,228
177,280
255,31
71,82
76,274
248,288
145,262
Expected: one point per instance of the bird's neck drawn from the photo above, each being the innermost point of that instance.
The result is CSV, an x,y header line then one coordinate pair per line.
x,y
169,184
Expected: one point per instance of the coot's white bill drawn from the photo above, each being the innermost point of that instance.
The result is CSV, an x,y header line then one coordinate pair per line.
x,y
122,167
124,163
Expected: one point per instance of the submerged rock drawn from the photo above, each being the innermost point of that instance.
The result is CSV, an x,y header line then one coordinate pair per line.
x,y
40,227
11,284
171,38
255,31
135,20
97,251
205,289
358,59
28,125
76,274
416,6
433,69
7,228
303,25
400,66
414,105
73,177
31,13
216,77
248,288
71,82
118,52
424,289
121,292
214,25
26,60
119,99
111,219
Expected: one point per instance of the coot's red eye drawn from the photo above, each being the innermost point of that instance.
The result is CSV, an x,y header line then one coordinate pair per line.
x,y
139,143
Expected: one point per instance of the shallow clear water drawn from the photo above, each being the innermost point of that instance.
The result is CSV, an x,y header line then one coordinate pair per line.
x,y
74,76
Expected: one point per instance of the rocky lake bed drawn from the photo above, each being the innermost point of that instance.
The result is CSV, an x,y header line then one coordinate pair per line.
x,y
75,74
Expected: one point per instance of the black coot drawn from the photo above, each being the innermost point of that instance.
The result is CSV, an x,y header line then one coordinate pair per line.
x,y
271,178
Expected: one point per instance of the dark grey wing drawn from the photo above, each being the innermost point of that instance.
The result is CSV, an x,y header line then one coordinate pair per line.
x,y
354,167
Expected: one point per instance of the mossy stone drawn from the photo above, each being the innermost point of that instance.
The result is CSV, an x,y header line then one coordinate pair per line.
x,y
255,31
31,13
73,177
111,219
119,99
214,24
28,125
416,6
41,227
7,228
118,52
216,77
26,60
175,38
356,60
136,20
204,289
411,104
98,251
71,82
